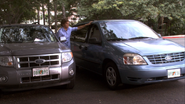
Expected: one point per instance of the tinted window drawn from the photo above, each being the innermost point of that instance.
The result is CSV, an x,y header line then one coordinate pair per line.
x,y
79,35
126,30
94,34
19,34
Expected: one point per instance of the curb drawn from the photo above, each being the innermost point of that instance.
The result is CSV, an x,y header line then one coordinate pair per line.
x,y
175,36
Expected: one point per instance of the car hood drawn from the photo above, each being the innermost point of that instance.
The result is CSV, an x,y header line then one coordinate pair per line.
x,y
31,48
149,47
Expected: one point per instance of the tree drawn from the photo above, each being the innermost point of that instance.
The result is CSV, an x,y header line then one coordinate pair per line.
x,y
143,10
64,9
55,6
38,15
15,11
49,7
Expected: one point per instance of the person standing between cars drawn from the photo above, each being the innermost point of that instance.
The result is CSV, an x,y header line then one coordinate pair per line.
x,y
65,30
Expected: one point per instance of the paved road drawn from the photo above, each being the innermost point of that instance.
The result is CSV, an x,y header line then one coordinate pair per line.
x,y
91,89
179,40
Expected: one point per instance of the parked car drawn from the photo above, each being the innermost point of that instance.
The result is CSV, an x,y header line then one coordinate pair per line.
x,y
128,52
32,57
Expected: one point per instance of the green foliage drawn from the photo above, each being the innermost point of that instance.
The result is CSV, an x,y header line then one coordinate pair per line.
x,y
135,9
14,11
143,10
169,14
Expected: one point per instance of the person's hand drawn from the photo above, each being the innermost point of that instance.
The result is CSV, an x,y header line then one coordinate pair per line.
x,y
89,23
82,26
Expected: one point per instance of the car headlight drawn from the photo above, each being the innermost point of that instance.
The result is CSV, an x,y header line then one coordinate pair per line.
x,y
67,56
133,59
6,61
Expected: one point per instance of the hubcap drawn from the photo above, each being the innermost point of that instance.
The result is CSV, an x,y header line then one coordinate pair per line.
x,y
111,76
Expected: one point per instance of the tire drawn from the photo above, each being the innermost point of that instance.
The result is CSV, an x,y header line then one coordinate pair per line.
x,y
71,84
111,76
77,67
1,93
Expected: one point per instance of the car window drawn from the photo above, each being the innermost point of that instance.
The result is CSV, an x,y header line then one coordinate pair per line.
x,y
94,34
79,35
126,30
29,34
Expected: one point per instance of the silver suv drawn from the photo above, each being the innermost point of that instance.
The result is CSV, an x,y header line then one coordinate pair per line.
x,y
32,57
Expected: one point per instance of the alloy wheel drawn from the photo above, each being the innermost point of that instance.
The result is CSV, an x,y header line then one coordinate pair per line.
x,y
111,76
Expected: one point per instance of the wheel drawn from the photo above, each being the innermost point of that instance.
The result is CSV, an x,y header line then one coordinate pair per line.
x,y
71,84
111,75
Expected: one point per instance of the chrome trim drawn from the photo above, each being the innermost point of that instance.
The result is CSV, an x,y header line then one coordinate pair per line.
x,y
29,63
162,58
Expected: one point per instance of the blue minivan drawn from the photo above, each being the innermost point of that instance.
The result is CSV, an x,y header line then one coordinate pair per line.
x,y
128,52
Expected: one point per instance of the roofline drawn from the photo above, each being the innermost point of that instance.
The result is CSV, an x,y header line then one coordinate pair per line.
x,y
82,23
22,25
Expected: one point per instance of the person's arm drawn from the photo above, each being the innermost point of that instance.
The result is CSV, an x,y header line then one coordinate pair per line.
x,y
82,26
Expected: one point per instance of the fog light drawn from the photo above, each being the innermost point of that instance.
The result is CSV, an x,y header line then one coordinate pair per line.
x,y
71,72
3,78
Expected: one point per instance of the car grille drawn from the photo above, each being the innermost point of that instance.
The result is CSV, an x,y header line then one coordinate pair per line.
x,y
31,61
162,58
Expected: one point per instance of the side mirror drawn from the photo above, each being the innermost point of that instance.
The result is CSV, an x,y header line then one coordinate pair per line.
x,y
63,39
159,35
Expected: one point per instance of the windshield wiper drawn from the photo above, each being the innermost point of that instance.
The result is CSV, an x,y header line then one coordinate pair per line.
x,y
139,38
116,39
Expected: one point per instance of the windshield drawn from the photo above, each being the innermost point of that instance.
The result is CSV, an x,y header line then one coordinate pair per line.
x,y
29,34
114,30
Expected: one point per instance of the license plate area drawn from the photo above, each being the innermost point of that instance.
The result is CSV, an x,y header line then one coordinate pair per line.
x,y
174,73
40,71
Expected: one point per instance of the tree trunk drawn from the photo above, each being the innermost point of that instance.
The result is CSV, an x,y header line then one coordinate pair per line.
x,y
49,13
43,14
63,11
17,19
160,23
11,16
38,15
55,6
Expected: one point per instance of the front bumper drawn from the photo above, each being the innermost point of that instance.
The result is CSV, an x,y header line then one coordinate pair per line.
x,y
22,79
144,74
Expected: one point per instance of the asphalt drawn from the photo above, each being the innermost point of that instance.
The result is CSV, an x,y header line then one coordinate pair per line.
x,y
91,89
178,40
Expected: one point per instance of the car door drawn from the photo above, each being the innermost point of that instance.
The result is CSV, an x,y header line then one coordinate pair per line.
x,y
93,50
78,39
